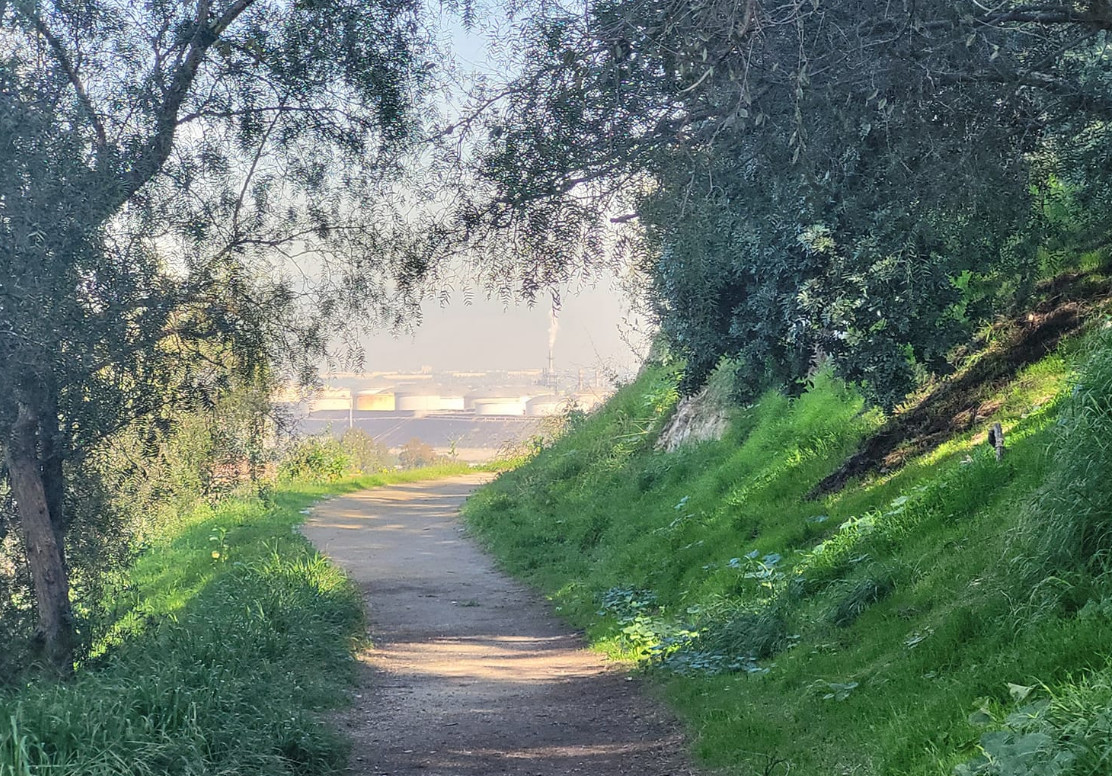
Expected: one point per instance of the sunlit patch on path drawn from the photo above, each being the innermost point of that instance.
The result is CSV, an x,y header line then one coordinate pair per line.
x,y
469,674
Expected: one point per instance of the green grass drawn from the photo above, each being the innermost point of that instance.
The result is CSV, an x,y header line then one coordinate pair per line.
x,y
218,655
876,631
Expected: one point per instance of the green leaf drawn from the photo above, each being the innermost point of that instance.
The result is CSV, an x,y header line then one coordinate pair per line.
x,y
981,717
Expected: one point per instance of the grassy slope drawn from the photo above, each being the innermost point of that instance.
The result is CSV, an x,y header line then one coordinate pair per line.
x,y
894,612
230,636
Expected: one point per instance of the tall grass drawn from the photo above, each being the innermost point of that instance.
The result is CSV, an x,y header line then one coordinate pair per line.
x,y
1070,523
230,638
860,634
218,655
1062,554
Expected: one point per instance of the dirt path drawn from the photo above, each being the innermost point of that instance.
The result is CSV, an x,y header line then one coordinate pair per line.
x,y
470,675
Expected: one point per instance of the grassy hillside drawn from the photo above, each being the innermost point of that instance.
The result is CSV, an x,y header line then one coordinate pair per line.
x,y
221,648
951,613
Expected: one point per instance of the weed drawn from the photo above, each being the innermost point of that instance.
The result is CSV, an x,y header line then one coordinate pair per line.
x,y
859,596
1067,733
15,750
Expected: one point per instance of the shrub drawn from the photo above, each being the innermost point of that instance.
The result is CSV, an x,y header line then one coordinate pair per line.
x,y
368,456
416,454
318,459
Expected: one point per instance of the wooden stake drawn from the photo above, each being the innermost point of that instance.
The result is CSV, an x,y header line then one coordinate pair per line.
x,y
996,439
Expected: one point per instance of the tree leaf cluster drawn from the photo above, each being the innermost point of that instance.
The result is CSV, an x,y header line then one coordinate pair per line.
x,y
863,181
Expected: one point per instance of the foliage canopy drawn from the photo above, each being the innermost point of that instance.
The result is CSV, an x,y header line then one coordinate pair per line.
x,y
864,181
159,162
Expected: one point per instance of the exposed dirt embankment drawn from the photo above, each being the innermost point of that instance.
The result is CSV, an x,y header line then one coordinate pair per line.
x,y
956,404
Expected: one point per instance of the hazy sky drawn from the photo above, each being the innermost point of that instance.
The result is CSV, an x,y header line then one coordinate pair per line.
x,y
488,335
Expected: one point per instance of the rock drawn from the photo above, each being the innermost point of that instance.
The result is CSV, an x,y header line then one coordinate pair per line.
x,y
697,418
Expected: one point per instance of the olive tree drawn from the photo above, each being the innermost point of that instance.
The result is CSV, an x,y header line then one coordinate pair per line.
x,y
163,165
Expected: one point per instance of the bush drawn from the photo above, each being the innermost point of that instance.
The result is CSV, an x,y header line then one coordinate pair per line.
x,y
317,459
368,456
417,454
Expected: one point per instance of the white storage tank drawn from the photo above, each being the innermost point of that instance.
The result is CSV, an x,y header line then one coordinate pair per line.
x,y
543,406
452,403
375,401
509,405
470,399
416,402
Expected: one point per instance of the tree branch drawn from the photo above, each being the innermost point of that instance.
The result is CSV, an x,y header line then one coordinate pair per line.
x,y
231,114
1035,14
1048,15
157,149
1091,102
259,150
64,61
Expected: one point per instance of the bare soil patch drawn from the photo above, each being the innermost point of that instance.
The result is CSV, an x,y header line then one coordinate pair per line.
x,y
957,404
469,673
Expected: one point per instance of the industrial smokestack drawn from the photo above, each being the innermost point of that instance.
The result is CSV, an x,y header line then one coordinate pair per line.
x,y
551,371
553,329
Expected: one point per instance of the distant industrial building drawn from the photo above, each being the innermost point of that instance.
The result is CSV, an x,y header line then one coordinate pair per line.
x,y
471,415
375,401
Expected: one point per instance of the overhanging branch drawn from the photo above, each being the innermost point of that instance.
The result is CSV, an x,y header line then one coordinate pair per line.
x,y
62,57
157,149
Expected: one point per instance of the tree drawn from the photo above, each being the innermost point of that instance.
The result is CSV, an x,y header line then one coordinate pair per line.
x,y
838,180
153,159
368,455
415,453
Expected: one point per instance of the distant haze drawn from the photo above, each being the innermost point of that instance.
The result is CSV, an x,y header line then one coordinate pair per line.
x,y
486,335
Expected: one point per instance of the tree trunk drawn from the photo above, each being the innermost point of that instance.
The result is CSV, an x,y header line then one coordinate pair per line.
x,y
45,554
52,454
